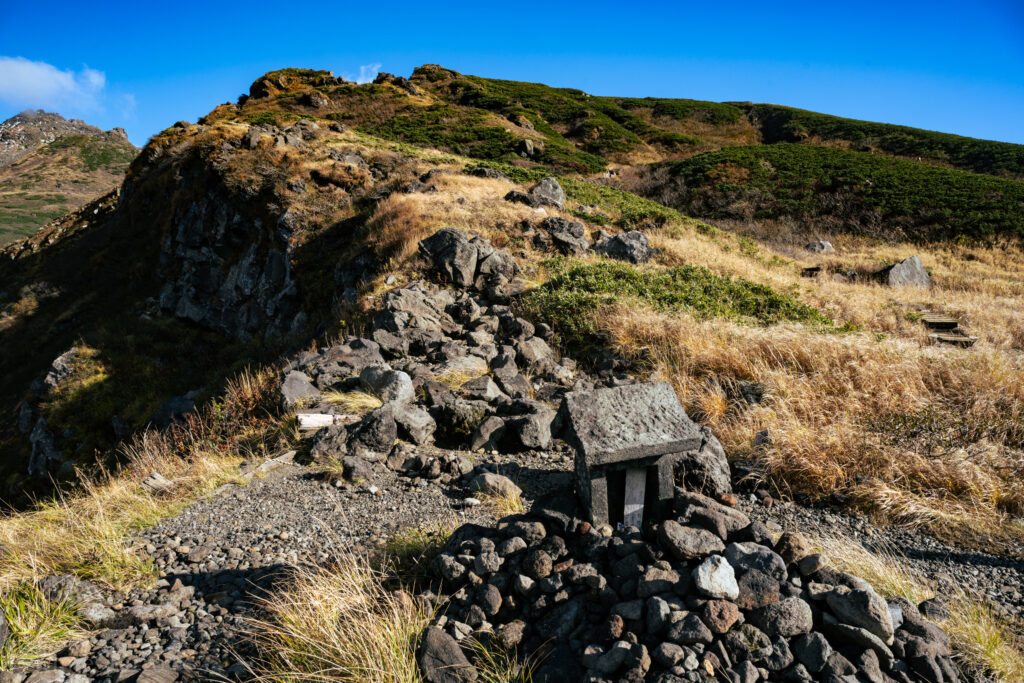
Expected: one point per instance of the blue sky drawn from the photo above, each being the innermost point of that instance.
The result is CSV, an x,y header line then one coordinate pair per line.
x,y
955,67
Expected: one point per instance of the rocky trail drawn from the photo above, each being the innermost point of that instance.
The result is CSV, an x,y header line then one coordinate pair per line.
x,y
477,396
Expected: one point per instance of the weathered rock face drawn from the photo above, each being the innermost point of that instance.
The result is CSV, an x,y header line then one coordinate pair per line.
x,y
227,271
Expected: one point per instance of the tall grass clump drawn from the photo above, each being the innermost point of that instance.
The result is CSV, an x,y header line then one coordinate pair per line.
x,y
340,623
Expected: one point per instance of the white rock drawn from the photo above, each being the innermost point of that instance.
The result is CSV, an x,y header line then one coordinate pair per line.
x,y
716,579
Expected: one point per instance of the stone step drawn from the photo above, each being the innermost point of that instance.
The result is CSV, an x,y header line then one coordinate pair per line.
x,y
940,322
955,338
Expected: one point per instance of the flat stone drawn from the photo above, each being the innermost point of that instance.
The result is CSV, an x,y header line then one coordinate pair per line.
x,y
627,423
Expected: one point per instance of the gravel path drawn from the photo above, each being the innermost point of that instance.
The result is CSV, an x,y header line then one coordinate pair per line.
x,y
219,554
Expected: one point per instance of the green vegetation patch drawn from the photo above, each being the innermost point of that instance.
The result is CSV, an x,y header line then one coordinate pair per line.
x,y
632,209
715,113
855,191
96,153
570,301
785,124
462,130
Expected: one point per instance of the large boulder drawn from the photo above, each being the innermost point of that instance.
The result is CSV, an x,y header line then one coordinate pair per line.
x,y
820,247
907,273
631,246
568,237
297,388
549,192
452,254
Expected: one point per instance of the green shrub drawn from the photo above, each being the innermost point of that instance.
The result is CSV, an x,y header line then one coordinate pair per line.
x,y
861,192
96,152
570,301
785,124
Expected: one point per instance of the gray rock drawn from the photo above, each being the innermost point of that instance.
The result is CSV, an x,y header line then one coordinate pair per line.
x,y
688,543
568,237
494,485
512,383
747,556
907,273
820,247
657,580
172,409
414,423
441,659
488,434
377,431
389,385
533,430
706,469
46,458
482,388
161,673
812,650
861,637
863,608
714,577
534,354
690,630
549,192
787,618
499,264
452,254
60,369
632,246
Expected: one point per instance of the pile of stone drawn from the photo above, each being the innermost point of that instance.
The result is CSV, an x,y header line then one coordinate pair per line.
x,y
703,595
454,368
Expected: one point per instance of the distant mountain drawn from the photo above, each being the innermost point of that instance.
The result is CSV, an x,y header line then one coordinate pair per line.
x,y
50,166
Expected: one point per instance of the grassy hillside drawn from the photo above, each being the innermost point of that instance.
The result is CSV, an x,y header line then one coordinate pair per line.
x,y
841,190
785,124
57,178
724,160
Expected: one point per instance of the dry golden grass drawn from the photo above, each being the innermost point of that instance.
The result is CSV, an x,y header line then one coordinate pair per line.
x,y
454,379
340,624
502,504
923,434
354,402
841,409
988,644
344,623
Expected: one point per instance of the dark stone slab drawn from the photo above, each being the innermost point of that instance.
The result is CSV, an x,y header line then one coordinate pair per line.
x,y
637,421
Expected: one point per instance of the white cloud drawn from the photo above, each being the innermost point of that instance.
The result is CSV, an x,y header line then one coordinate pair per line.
x,y
368,72
38,85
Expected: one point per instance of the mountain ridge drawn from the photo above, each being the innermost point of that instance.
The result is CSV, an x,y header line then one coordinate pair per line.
x,y
50,165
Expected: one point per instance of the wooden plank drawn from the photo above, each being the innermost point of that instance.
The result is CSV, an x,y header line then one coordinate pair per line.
x,y
957,339
636,483
940,322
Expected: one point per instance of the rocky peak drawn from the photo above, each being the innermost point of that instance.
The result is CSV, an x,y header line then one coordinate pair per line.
x,y
33,128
